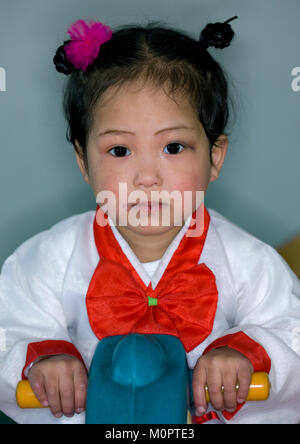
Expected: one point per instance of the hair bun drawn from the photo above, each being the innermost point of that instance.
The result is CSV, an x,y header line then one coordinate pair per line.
x,y
217,34
61,62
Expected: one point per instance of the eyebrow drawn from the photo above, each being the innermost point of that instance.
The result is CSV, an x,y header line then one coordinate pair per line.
x,y
117,131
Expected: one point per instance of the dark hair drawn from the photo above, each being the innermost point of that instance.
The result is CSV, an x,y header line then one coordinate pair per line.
x,y
165,57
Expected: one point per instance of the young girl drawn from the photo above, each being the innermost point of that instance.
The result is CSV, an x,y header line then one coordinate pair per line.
x,y
147,107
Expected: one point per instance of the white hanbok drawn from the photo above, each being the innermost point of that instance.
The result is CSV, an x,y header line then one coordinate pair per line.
x,y
43,287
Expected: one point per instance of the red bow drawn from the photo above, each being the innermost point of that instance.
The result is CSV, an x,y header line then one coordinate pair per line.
x,y
183,303
184,307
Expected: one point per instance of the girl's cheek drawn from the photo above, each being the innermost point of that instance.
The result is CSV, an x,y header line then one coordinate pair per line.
x,y
103,176
112,187
192,183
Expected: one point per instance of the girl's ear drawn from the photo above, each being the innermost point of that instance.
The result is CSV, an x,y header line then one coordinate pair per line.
x,y
80,162
219,151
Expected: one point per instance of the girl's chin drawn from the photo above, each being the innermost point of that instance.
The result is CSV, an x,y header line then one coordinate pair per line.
x,y
151,230
146,227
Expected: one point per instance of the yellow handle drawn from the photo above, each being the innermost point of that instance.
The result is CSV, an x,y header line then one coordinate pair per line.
x,y
259,388
26,399
258,391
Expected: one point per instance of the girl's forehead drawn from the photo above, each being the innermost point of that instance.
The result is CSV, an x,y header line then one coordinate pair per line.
x,y
144,111
148,94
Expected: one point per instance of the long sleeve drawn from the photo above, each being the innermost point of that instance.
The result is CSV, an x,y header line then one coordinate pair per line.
x,y
31,312
267,314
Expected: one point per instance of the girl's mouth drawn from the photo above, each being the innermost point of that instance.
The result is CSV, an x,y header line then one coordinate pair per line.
x,y
149,206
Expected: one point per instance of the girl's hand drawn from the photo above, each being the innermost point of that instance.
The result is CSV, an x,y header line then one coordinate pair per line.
x,y
60,383
221,367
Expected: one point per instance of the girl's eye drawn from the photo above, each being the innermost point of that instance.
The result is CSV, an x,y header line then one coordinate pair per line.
x,y
120,151
174,148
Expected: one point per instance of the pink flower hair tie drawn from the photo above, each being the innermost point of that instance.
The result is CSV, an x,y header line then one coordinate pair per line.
x,y
86,40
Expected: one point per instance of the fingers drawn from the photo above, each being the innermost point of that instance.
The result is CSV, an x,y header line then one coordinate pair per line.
x,y
199,382
222,370
221,388
60,384
38,387
244,377
229,392
214,384
67,395
224,395
80,382
53,396
70,396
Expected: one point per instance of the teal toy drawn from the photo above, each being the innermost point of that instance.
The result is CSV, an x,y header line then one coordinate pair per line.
x,y
138,379
133,379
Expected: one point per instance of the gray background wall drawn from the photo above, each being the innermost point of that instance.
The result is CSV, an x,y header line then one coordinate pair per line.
x,y
40,183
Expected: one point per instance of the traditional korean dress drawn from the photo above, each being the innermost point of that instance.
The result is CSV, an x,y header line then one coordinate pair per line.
x,y
68,287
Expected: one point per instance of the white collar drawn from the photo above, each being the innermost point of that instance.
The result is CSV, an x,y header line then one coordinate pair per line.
x,y
164,261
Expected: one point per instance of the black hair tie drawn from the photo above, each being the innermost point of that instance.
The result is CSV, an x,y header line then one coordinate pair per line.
x,y
218,35
61,62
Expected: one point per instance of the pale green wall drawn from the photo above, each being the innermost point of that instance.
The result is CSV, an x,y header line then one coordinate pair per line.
x,y
39,180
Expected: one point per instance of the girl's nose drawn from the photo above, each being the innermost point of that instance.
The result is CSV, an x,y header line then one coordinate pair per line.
x,y
148,175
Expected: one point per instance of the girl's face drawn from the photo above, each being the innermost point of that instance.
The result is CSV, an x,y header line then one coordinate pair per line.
x,y
143,139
